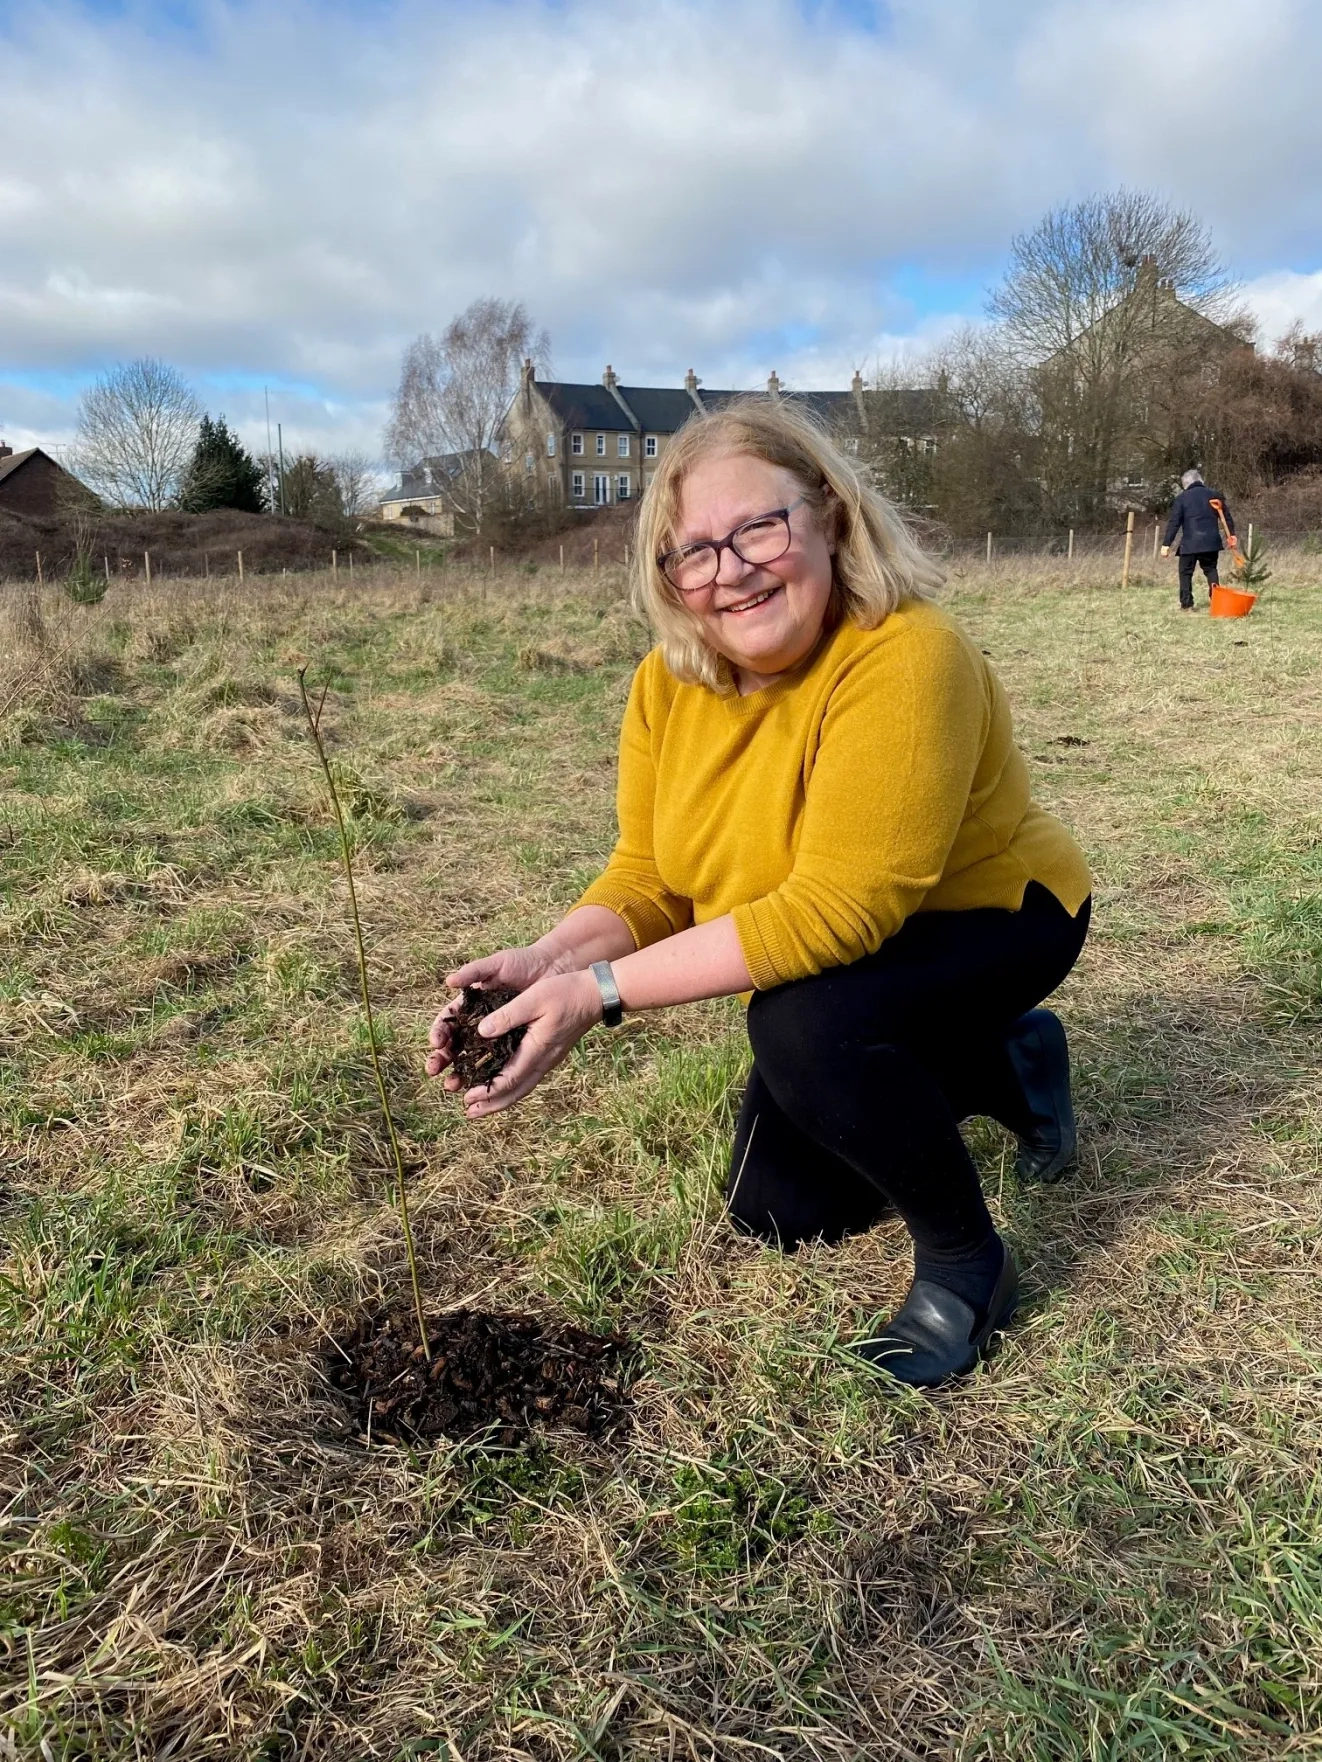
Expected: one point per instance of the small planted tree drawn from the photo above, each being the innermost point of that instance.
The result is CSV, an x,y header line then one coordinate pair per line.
x,y
313,717
1252,570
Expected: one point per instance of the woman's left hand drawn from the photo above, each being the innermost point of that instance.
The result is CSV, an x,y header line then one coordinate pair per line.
x,y
557,1012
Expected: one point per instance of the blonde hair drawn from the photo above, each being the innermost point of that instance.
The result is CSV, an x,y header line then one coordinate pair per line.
x,y
877,566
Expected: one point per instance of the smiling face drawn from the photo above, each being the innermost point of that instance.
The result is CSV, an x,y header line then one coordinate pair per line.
x,y
764,618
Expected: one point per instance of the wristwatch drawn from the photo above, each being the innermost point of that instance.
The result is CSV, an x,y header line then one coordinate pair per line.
x,y
612,1010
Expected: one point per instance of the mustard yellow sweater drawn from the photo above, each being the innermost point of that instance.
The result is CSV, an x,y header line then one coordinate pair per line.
x,y
878,779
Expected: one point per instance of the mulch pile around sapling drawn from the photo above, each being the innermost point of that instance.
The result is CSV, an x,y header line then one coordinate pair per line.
x,y
512,1372
478,1061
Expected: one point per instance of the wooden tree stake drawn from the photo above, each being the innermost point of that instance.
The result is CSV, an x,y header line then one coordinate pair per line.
x,y
1129,547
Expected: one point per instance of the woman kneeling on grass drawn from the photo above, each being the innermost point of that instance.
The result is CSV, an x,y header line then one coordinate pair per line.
x,y
821,803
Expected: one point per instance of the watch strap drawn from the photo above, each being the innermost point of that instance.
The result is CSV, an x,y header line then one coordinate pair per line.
x,y
612,1010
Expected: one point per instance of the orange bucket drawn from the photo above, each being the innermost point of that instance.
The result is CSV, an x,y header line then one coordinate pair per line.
x,y
1232,602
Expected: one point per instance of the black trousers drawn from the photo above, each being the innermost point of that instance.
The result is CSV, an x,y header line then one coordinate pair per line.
x,y
862,1073
1207,559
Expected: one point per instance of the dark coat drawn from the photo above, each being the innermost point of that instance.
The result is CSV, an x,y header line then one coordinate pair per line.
x,y
1194,518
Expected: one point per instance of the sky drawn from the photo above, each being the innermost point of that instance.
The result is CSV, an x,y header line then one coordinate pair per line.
x,y
281,193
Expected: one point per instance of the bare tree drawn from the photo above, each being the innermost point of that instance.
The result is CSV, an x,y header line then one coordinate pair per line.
x,y
1095,298
454,393
135,433
356,480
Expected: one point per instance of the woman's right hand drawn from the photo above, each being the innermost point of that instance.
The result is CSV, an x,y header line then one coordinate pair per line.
x,y
518,968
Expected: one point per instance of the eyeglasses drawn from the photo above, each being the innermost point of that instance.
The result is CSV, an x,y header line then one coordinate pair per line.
x,y
692,567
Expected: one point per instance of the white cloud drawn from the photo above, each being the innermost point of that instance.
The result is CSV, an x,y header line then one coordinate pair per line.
x,y
1281,299
292,190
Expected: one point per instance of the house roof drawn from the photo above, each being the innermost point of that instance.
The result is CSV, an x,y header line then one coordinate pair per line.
x,y
586,406
660,409
14,460
413,483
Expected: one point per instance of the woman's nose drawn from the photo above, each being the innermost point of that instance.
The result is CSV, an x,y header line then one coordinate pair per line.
x,y
731,569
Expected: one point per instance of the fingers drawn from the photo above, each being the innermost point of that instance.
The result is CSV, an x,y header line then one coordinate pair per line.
x,y
515,1014
519,1078
475,972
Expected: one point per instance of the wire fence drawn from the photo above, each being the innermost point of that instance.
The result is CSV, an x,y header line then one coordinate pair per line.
x,y
1064,548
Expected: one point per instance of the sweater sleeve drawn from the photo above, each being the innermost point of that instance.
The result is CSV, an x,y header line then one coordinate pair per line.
x,y
889,789
631,886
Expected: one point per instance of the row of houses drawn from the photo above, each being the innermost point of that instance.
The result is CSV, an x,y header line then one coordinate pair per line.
x,y
591,446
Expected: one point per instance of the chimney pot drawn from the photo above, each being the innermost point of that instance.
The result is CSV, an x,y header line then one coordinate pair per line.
x,y
773,384
6,452
856,384
690,381
608,377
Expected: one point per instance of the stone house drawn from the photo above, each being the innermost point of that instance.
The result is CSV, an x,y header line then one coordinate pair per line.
x,y
591,446
32,483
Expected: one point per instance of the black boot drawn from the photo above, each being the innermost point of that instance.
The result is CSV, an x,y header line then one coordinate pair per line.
x,y
1040,1055
936,1335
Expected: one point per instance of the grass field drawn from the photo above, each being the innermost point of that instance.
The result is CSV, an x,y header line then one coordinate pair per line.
x,y
1107,1544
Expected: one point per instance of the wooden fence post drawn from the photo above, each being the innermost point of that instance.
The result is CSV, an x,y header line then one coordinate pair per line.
x,y
626,556
1069,554
1129,547
351,565
596,558
240,565
1249,540
105,558
146,565
1156,538
40,583
562,559
417,559
989,543
335,562
206,564
491,559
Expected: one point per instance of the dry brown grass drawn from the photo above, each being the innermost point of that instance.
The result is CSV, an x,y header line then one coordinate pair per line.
x,y
1106,1545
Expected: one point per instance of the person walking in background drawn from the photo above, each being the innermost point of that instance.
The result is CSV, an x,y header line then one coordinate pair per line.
x,y
1194,521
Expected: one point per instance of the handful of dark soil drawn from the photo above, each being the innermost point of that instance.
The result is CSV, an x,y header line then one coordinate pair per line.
x,y
477,1061
511,1371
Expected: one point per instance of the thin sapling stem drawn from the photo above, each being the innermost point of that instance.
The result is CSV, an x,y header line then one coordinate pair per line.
x,y
346,855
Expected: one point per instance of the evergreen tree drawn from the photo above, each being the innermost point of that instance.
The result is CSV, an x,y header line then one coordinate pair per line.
x,y
221,473
310,490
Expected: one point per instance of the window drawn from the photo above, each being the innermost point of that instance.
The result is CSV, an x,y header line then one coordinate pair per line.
x,y
929,446
576,443
649,447
622,488
601,446
578,485
550,446
528,463
622,446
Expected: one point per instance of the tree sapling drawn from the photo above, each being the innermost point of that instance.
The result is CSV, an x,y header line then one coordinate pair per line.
x,y
346,854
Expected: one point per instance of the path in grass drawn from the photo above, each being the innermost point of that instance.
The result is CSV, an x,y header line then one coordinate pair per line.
x,y
1107,1544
